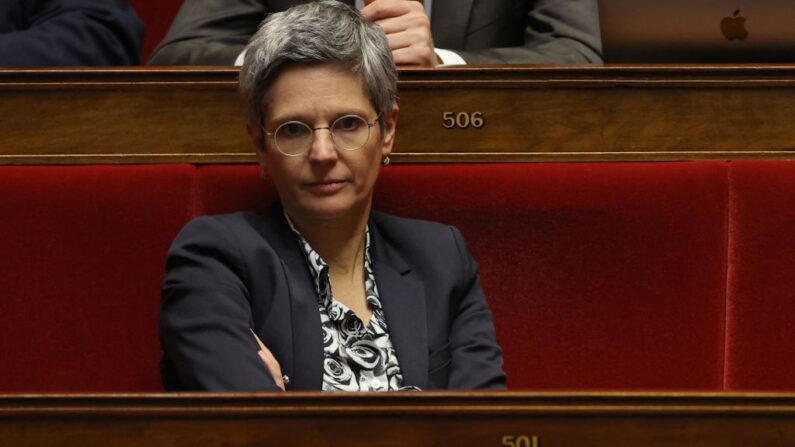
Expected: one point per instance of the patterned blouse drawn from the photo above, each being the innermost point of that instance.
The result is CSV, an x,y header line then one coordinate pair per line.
x,y
355,358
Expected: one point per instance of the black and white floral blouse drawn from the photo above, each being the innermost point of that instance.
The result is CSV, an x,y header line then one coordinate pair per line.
x,y
355,357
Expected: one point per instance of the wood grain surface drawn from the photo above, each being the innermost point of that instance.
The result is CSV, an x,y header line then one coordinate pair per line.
x,y
530,113
400,419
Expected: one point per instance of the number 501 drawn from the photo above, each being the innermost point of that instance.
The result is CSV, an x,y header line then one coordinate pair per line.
x,y
520,441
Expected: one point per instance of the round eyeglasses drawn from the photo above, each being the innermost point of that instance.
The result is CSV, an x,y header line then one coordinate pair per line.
x,y
349,133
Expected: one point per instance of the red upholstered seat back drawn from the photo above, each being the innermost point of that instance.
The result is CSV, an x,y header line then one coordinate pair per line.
x,y
226,189
82,258
600,275
760,348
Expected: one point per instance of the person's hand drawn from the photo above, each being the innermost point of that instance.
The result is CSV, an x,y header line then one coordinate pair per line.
x,y
270,362
407,28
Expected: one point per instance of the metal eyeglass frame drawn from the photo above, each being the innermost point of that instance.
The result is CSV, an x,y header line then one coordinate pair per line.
x,y
370,125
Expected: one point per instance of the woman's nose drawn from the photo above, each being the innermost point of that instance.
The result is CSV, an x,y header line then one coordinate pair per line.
x,y
323,148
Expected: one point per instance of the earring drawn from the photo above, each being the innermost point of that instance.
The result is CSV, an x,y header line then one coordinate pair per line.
x,y
385,161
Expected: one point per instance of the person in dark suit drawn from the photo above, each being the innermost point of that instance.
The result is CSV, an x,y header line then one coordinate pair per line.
x,y
214,32
323,293
69,33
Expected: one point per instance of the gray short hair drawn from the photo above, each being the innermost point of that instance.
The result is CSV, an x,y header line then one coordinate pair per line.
x,y
317,33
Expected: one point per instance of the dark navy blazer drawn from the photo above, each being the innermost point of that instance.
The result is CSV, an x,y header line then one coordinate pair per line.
x,y
69,32
228,273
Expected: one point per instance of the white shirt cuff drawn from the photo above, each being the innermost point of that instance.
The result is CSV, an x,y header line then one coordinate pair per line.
x,y
449,57
241,57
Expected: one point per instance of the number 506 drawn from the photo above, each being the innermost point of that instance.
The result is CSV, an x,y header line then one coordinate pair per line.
x,y
462,120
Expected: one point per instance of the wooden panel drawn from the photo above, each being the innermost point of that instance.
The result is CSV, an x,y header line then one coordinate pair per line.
x,y
121,116
401,419
531,113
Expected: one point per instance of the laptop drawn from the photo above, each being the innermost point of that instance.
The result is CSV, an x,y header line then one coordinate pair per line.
x,y
697,30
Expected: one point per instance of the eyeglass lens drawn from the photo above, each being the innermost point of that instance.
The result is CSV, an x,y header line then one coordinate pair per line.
x,y
349,133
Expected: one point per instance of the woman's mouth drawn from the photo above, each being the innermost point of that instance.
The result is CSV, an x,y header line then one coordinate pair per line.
x,y
326,187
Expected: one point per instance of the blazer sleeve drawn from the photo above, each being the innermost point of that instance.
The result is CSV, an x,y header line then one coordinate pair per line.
x,y
73,33
209,32
205,315
476,359
557,32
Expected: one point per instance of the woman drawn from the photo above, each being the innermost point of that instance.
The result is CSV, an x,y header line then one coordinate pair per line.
x,y
323,293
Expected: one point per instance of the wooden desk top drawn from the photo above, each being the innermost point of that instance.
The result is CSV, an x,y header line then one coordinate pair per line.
x,y
494,113
513,419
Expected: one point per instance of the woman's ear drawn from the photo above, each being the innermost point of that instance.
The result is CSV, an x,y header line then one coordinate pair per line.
x,y
390,128
256,136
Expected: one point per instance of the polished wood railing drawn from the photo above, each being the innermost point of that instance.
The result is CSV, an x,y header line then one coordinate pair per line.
x,y
512,419
502,113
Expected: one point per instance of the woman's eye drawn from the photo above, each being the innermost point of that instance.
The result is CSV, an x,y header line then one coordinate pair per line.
x,y
349,123
293,130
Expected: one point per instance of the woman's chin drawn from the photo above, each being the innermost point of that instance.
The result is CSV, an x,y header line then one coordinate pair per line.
x,y
328,208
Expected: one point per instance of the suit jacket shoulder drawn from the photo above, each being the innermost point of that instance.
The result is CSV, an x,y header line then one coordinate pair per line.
x,y
413,239
69,32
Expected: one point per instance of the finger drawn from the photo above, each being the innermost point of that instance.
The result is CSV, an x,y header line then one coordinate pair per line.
x,y
270,362
259,342
408,48
414,56
405,22
383,9
273,366
408,38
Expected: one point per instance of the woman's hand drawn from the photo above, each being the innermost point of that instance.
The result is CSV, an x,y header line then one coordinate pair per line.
x,y
407,28
270,362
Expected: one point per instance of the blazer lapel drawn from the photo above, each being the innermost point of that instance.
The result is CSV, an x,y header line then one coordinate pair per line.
x,y
450,22
306,368
307,332
403,300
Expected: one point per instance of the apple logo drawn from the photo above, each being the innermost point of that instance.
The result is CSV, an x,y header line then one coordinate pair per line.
x,y
733,28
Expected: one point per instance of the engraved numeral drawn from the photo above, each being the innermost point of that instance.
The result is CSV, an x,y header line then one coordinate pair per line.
x,y
463,120
520,441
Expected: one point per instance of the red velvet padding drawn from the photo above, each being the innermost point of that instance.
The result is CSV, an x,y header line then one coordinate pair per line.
x,y
157,16
599,275
81,260
229,188
761,302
